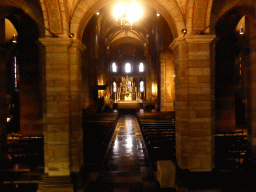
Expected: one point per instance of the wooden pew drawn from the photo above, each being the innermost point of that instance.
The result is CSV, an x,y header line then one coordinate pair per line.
x,y
25,150
230,149
159,135
98,131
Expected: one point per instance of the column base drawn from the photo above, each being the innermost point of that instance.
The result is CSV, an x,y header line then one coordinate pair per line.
x,y
190,181
55,184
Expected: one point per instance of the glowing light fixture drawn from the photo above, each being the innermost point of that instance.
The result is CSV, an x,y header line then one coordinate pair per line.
x,y
14,39
127,15
241,30
184,31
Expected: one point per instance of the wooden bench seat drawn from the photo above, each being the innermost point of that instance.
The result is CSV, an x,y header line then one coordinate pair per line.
x,y
98,130
230,149
158,130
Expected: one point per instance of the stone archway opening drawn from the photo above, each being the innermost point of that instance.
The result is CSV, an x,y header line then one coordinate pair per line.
x,y
147,43
231,61
22,77
232,82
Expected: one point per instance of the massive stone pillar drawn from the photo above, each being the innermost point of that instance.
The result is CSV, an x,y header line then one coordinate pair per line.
x,y
194,103
250,100
3,110
63,142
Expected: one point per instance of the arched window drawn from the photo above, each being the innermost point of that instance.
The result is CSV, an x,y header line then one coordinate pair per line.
x,y
141,67
141,86
114,87
128,68
15,73
114,67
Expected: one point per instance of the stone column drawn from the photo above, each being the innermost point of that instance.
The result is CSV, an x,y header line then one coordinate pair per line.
x,y
3,110
76,52
167,92
63,146
193,103
148,82
251,90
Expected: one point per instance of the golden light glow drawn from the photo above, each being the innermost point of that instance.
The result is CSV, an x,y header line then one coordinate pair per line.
x,y
133,13
127,13
153,89
119,10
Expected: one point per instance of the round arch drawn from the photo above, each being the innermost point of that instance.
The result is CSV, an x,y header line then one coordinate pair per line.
x,y
234,61
85,10
33,12
27,93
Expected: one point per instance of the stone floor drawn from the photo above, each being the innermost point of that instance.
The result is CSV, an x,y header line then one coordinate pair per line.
x,y
126,167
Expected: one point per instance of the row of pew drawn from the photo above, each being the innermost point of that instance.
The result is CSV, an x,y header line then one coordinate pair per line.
x,y
230,149
23,163
158,130
98,129
25,150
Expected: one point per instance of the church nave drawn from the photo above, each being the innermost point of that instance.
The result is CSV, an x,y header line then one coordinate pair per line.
x,y
126,166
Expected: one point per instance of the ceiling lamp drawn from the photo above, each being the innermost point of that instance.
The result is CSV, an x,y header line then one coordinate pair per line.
x,y
127,15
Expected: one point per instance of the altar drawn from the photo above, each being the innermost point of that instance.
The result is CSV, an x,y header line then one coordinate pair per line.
x,y
128,104
128,97
127,91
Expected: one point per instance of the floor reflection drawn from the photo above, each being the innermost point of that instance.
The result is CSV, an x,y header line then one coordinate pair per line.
x,y
127,167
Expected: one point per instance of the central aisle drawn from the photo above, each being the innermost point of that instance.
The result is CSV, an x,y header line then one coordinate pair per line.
x,y
126,167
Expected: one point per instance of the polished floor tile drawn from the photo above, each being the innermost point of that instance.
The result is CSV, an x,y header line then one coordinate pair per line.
x,y
127,167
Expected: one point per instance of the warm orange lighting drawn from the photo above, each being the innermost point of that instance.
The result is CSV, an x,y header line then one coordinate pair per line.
x,y
127,14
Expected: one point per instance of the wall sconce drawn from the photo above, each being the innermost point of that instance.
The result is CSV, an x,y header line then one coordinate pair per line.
x,y
153,92
71,35
184,31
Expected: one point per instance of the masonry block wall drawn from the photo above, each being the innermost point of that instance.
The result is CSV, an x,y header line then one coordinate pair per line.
x,y
251,88
3,110
193,105
76,51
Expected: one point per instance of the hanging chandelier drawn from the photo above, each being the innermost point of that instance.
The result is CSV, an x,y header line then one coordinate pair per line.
x,y
127,14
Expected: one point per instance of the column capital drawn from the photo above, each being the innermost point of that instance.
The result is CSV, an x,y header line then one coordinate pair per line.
x,y
55,41
78,44
63,41
176,42
199,38
192,39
